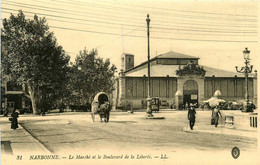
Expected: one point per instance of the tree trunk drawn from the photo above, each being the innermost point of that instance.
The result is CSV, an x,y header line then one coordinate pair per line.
x,y
31,93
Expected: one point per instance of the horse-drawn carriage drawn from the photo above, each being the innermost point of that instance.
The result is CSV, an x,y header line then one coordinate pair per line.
x,y
101,106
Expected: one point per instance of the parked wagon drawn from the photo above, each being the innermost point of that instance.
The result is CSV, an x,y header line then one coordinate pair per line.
x,y
101,106
155,104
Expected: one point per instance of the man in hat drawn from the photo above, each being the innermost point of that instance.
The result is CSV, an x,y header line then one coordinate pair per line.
x,y
191,116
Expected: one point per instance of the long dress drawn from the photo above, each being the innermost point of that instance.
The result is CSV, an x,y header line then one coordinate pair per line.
x,y
216,114
14,123
191,117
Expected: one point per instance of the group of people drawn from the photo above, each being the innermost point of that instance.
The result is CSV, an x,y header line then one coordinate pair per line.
x,y
192,116
104,108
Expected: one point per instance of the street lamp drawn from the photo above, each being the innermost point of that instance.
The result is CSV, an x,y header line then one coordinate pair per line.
x,y
148,111
246,70
246,53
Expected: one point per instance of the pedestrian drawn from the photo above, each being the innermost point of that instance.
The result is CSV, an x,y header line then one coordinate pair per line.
x,y
186,106
215,115
43,112
14,123
6,111
191,115
62,107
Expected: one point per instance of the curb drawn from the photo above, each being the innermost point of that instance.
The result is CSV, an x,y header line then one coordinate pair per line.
x,y
231,134
27,133
222,132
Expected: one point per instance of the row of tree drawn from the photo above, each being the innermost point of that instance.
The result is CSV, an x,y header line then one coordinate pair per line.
x,y
30,56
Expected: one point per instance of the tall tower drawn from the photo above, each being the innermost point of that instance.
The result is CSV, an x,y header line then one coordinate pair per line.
x,y
127,61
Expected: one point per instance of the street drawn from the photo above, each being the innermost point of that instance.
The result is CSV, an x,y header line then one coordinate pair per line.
x,y
75,133
128,132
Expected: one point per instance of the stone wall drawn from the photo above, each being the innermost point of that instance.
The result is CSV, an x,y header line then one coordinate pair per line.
x,y
135,88
242,121
121,90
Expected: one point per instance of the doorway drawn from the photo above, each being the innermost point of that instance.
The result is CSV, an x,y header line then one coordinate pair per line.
x,y
10,106
190,92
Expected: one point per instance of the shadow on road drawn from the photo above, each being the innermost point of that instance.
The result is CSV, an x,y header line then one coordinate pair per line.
x,y
125,122
6,147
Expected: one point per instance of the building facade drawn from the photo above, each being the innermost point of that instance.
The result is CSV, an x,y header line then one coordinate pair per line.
x,y
13,96
173,73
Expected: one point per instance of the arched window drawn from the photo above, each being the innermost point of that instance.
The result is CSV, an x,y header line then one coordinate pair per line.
x,y
190,85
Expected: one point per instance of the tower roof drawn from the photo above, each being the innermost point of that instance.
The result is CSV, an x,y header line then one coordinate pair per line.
x,y
127,54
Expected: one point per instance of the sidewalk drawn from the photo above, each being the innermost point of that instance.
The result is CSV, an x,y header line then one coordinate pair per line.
x,y
19,141
221,129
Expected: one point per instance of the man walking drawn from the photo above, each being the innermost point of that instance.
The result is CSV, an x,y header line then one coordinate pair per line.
x,y
191,116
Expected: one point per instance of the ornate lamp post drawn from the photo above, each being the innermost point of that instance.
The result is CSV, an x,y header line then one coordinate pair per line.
x,y
246,70
148,111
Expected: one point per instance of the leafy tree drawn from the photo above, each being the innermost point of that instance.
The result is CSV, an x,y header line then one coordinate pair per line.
x,y
92,74
32,57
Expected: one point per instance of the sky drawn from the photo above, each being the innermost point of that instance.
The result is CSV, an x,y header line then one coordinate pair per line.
x,y
215,31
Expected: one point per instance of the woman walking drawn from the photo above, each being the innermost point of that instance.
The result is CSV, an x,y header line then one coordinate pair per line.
x,y
216,114
14,123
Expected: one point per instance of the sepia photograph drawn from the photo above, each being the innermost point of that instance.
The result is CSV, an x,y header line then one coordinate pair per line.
x,y
129,82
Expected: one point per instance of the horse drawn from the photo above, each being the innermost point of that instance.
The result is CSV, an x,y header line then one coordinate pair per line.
x,y
101,106
104,111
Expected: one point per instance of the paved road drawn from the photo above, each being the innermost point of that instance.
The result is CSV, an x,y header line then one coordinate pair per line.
x,y
74,132
130,132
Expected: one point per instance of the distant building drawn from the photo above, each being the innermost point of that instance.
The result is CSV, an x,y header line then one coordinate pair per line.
x,y
172,72
127,61
13,96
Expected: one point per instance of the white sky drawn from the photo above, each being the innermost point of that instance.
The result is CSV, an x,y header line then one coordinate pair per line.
x,y
230,26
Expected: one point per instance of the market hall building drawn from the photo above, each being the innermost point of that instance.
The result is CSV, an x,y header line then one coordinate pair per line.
x,y
174,74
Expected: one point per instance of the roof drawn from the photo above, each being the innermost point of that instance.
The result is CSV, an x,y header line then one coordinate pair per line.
x,y
164,70
159,70
172,54
222,73
155,71
128,54
168,55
